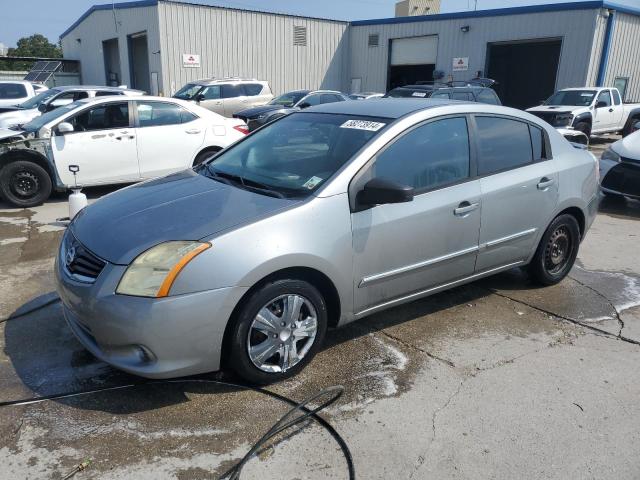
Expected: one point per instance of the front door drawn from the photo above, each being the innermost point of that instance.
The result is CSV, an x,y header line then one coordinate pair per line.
x,y
604,117
210,98
103,145
405,249
169,137
519,190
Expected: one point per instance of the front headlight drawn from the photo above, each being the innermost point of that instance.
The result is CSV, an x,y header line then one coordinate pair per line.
x,y
609,154
152,274
562,120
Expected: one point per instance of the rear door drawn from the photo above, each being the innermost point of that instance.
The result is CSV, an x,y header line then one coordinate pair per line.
x,y
407,248
103,145
256,94
233,98
519,189
169,137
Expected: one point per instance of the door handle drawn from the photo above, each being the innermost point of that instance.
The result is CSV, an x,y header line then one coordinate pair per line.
x,y
465,208
130,137
611,110
193,131
544,183
94,137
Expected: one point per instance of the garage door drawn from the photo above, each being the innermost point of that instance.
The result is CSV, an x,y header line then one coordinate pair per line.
x,y
412,60
526,71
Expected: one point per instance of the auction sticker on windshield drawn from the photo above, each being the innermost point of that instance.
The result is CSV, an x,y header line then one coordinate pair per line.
x,y
363,125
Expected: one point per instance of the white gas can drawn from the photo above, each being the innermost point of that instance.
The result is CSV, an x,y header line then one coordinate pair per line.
x,y
77,201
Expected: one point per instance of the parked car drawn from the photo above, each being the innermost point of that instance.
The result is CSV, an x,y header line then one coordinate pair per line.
x,y
226,96
365,95
318,219
589,110
112,140
14,92
288,103
54,98
469,93
620,167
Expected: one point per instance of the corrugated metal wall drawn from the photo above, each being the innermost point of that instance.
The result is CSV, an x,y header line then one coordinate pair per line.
x,y
624,55
99,26
575,27
251,44
600,27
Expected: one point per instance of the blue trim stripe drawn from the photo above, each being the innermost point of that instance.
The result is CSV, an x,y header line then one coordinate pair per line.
x,y
604,57
498,12
109,6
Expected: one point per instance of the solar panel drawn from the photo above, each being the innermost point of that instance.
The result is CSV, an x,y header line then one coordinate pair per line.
x,y
42,70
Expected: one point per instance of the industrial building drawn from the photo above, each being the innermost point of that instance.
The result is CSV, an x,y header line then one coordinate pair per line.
x,y
158,45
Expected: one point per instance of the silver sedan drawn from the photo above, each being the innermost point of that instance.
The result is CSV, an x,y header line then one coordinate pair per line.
x,y
318,219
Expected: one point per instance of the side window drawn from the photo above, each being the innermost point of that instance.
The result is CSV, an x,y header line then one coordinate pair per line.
x,y
80,96
102,117
232,91
605,97
62,99
329,98
440,95
537,140
616,97
430,156
154,114
312,100
461,96
503,144
488,96
104,93
210,93
252,89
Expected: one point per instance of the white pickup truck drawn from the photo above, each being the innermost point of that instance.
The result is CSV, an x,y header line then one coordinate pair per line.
x,y
589,110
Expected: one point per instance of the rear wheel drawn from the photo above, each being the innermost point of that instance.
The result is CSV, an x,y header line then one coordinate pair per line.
x,y
278,331
557,251
584,127
24,184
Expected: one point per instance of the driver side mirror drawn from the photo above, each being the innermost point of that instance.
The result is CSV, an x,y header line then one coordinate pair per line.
x,y
601,104
199,97
380,191
64,128
304,105
42,108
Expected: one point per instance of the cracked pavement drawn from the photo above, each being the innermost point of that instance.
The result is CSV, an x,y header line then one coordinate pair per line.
x,y
497,379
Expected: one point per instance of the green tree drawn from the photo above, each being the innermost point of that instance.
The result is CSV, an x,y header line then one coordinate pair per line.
x,y
34,46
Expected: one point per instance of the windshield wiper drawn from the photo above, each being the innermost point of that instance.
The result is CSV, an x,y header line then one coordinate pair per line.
x,y
245,183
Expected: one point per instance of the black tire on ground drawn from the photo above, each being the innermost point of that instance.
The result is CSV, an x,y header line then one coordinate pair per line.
x,y
628,128
584,127
238,347
557,251
24,184
206,155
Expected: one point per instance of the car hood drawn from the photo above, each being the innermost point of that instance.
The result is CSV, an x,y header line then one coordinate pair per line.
x,y
181,206
554,108
6,133
257,111
18,117
629,146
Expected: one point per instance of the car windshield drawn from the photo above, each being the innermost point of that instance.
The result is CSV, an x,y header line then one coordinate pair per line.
x,y
288,99
407,93
294,156
39,122
187,92
576,98
34,102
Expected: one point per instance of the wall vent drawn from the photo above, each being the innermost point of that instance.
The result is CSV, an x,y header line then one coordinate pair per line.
x,y
374,39
299,36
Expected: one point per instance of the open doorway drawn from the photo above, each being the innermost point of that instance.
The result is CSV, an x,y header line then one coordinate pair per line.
x,y
412,60
112,70
139,61
526,71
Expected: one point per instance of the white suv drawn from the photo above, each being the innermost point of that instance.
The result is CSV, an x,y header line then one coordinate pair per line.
x,y
226,96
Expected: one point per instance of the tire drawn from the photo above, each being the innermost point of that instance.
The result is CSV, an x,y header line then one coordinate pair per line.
x,y
628,128
205,155
24,184
274,334
584,127
557,251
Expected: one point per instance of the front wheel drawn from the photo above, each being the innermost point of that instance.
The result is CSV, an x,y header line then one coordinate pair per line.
x,y
24,184
206,155
584,127
557,251
278,331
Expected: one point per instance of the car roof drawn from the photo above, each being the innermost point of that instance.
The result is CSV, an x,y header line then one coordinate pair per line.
x,y
213,81
65,88
382,107
585,88
23,82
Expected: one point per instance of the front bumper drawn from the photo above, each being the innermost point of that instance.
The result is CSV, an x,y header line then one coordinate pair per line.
x,y
621,178
153,338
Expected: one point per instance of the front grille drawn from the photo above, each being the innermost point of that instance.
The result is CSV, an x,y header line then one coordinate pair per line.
x,y
624,178
548,117
79,262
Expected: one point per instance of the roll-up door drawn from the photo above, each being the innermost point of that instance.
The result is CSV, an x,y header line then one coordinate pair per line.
x,y
412,60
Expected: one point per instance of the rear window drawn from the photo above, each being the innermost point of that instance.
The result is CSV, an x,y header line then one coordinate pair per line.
x,y
10,91
253,89
504,144
462,96
537,142
407,93
488,96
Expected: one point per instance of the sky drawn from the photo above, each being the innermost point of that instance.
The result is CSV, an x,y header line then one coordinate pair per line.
x,y
51,18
